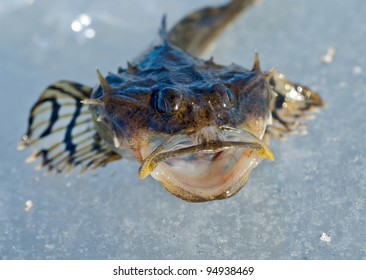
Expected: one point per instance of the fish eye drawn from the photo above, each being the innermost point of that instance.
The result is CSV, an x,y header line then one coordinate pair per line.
x,y
229,98
166,101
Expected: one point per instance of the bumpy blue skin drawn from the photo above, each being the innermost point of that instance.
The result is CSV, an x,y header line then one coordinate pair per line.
x,y
171,92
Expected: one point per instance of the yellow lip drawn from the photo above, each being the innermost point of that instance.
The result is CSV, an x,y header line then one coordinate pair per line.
x,y
266,153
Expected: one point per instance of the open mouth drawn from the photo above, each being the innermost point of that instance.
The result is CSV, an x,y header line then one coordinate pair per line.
x,y
213,164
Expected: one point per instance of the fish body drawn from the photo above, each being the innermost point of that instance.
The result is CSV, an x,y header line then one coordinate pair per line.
x,y
196,126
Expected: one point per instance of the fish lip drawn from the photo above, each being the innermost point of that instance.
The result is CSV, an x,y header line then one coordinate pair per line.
x,y
211,146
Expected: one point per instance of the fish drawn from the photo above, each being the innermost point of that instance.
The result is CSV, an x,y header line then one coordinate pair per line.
x,y
196,126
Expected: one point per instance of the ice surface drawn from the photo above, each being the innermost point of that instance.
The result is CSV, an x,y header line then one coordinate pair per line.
x,y
316,185
325,237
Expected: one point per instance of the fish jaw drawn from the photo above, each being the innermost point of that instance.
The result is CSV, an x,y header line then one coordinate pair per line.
x,y
212,164
210,185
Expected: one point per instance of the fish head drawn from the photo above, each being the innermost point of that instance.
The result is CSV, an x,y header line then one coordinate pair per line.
x,y
198,130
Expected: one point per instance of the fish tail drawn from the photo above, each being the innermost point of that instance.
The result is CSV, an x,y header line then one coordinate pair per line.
x,y
195,33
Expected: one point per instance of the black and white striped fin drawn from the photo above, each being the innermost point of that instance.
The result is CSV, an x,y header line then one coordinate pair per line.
x,y
62,132
294,104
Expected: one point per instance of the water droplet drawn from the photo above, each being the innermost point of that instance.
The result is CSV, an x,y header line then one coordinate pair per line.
x,y
76,26
80,25
84,19
357,70
89,33
329,56
325,237
28,205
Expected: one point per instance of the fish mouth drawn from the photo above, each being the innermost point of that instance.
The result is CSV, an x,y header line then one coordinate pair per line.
x,y
212,164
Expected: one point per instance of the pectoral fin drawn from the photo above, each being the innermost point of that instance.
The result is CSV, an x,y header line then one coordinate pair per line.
x,y
294,103
62,132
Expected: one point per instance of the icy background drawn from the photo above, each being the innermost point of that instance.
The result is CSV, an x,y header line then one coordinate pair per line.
x,y
308,204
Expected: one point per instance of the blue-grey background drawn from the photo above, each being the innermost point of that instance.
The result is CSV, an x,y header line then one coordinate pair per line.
x,y
316,185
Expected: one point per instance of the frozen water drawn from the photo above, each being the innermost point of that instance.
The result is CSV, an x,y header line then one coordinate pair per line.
x,y
325,237
28,205
316,184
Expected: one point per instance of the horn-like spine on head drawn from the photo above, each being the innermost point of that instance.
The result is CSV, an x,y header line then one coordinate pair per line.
x,y
163,30
92,102
211,62
256,64
103,82
106,88
132,69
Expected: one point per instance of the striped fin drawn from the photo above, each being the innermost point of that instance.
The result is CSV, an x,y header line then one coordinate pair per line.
x,y
294,104
62,131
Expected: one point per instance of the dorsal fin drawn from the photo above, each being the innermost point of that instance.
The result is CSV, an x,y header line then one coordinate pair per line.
x,y
163,30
